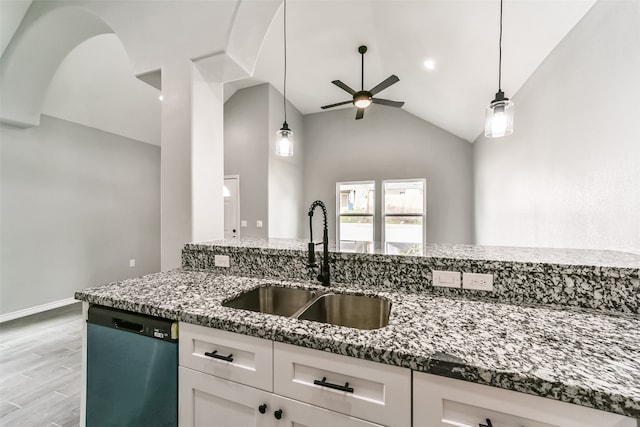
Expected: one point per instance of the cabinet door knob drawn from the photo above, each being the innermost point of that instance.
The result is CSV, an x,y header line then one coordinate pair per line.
x,y
262,408
278,414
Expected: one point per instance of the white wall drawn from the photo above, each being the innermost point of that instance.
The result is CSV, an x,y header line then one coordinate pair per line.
x,y
569,176
77,204
207,159
390,143
286,174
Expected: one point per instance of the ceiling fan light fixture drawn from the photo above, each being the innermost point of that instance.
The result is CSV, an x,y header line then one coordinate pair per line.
x,y
499,113
362,100
284,141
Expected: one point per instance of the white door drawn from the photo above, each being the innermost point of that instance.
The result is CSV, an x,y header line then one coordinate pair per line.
x,y
207,401
231,206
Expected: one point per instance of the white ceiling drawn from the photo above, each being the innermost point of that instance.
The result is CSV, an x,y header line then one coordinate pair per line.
x,y
95,86
460,36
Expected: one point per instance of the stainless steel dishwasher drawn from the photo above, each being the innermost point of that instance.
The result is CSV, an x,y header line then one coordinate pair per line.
x,y
132,370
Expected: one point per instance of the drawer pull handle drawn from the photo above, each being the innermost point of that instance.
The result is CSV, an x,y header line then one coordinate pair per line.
x,y
488,424
324,383
215,355
262,408
278,414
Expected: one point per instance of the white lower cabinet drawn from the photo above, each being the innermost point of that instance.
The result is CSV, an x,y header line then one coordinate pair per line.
x,y
214,402
445,402
233,380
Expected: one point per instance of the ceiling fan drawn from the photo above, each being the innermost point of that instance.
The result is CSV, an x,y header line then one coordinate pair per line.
x,y
363,98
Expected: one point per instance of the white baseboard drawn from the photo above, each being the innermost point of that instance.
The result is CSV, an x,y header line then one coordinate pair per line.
x,y
37,309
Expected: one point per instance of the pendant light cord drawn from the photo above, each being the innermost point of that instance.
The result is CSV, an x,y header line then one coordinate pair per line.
x,y
284,99
500,52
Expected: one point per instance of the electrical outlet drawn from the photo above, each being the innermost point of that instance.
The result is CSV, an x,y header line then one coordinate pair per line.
x,y
243,223
477,281
259,223
221,260
446,279
132,263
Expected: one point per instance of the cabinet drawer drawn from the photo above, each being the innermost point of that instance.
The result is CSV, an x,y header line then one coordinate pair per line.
x,y
241,358
445,402
376,392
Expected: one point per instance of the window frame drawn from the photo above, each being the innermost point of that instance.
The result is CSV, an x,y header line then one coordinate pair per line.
x,y
384,214
339,214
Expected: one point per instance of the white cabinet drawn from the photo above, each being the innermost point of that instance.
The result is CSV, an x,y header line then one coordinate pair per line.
x,y
360,388
205,400
240,358
234,389
445,402
254,380
213,402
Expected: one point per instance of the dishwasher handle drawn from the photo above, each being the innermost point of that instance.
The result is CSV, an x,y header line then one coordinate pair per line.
x,y
128,326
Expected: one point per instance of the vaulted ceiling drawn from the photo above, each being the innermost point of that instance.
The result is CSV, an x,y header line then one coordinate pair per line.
x,y
461,37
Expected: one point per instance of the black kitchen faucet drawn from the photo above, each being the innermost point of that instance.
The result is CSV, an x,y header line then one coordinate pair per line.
x,y
323,275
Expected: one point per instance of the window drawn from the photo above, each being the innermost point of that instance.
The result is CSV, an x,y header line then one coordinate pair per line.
x,y
356,215
403,215
402,225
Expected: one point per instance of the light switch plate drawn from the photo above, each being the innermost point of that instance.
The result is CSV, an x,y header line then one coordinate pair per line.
x,y
477,281
243,223
259,223
446,279
221,260
132,262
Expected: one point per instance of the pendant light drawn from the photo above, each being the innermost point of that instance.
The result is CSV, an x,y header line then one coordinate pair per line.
x,y
284,137
499,114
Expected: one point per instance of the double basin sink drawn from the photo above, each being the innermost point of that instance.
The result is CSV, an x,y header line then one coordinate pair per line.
x,y
354,311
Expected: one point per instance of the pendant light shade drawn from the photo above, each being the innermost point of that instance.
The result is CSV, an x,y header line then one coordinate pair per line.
x,y
499,113
499,117
284,137
284,141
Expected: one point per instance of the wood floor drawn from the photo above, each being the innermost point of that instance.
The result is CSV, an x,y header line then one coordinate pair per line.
x,y
40,363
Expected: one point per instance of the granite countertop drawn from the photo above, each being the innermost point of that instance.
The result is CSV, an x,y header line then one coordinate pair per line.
x,y
528,255
579,356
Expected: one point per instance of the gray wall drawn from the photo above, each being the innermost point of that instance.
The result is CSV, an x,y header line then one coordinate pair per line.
x,y
390,143
246,145
271,187
569,176
286,174
77,204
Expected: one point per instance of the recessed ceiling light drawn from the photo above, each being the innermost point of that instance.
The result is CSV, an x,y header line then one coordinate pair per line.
x,y
429,64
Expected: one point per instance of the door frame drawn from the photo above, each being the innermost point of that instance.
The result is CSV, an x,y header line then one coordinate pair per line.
x,y
237,178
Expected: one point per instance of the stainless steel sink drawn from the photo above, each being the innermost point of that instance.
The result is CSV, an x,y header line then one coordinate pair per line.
x,y
354,311
273,300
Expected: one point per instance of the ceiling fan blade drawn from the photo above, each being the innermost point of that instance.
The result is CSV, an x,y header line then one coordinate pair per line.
x,y
344,87
385,84
359,113
387,102
324,107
